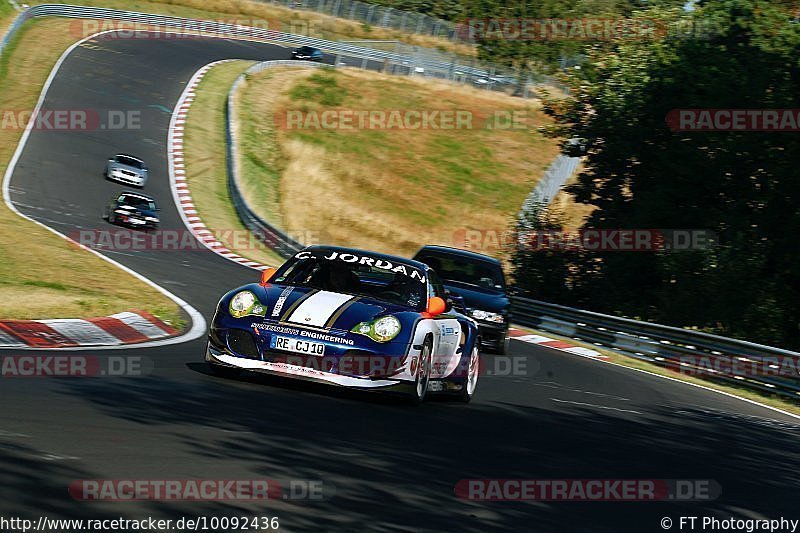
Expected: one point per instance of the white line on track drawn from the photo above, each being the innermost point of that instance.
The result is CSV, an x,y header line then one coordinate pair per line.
x,y
596,406
554,385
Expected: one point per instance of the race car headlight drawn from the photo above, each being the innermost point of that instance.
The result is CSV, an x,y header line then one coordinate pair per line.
x,y
381,330
245,303
151,219
488,316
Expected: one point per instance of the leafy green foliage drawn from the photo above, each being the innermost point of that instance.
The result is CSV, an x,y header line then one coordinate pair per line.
x,y
739,184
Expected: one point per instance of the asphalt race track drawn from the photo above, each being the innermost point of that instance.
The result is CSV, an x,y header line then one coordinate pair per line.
x,y
384,466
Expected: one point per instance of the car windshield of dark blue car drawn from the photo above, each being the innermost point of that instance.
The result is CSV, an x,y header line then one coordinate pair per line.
x,y
477,273
137,201
129,161
356,279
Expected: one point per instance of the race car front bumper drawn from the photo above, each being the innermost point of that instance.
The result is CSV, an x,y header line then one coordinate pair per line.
x,y
222,357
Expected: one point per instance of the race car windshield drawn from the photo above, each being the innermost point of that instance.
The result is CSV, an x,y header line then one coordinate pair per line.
x,y
356,279
138,202
129,161
478,273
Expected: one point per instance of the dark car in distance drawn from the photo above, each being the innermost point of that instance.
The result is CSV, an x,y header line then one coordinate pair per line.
x,y
477,282
132,209
308,53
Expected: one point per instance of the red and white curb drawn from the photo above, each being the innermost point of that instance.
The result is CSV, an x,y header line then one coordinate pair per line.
x,y
177,174
564,346
114,330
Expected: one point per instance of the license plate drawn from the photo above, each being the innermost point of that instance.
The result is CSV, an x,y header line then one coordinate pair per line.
x,y
289,344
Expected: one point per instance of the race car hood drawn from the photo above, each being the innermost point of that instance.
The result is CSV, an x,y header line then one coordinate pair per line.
x,y
303,306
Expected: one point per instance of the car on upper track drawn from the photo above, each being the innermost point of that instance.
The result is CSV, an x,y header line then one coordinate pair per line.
x,y
132,209
350,318
127,169
308,53
476,282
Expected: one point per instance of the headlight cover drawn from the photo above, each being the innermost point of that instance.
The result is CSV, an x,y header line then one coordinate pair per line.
x,y
245,303
488,316
382,329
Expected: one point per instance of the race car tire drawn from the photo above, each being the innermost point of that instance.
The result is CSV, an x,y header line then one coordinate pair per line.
x,y
224,371
502,346
423,374
471,380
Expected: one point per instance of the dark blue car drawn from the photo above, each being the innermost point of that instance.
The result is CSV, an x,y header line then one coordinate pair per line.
x,y
477,280
350,318
132,209
308,53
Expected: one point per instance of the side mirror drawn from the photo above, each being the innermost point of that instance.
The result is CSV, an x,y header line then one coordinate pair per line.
x,y
266,275
436,306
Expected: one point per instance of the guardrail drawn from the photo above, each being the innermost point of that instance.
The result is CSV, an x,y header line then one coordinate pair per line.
x,y
741,363
554,178
415,64
12,29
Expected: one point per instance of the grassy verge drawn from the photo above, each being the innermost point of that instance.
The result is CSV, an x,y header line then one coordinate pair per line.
x,y
381,188
41,275
631,362
7,16
279,18
204,151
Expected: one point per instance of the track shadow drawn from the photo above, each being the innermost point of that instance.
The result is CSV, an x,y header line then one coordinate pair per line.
x,y
390,467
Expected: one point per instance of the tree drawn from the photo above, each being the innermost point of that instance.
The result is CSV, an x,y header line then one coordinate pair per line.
x,y
739,184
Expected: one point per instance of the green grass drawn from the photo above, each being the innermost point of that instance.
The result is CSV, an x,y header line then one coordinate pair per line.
x,y
321,88
414,183
6,9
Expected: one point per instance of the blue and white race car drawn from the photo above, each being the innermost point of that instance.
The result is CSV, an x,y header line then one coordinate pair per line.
x,y
350,318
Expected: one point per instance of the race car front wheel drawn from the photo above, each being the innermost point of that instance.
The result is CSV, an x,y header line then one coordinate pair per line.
x,y
422,375
471,380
